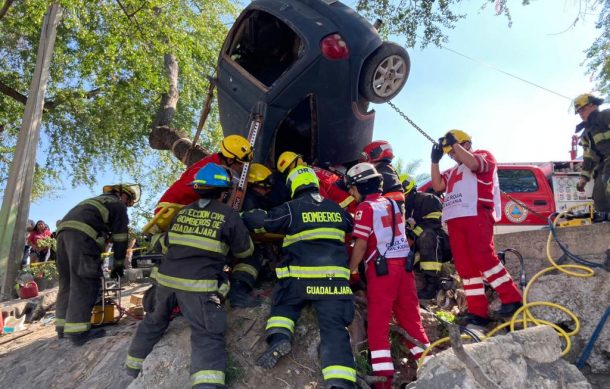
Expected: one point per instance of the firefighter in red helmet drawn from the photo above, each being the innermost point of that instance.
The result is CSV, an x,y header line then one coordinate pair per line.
x,y
380,154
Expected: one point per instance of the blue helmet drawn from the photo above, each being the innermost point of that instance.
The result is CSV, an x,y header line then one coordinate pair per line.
x,y
212,176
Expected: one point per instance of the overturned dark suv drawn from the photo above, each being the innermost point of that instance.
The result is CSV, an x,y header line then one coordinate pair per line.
x,y
317,65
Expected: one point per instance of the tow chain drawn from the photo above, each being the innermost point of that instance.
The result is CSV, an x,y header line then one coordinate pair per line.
x,y
411,122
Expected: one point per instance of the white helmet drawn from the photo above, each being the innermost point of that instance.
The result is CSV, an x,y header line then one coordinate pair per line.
x,y
361,173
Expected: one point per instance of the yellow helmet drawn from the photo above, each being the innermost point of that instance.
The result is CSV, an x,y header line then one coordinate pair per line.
x,y
259,175
408,183
459,135
302,177
586,99
236,147
287,158
133,191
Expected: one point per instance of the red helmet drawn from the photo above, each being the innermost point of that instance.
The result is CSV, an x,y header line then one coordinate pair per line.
x,y
377,151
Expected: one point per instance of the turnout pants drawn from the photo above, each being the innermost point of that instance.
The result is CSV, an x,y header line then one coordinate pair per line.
x,y
80,272
334,315
208,322
393,293
601,187
430,246
475,259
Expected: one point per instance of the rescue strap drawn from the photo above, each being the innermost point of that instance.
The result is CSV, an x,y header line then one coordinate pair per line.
x,y
313,234
313,272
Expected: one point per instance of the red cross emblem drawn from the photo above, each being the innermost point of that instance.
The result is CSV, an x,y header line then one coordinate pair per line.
x,y
386,220
455,178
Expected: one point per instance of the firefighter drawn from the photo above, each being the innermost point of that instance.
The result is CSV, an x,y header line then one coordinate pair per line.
x,y
313,270
245,273
81,237
471,206
380,154
330,183
595,141
431,243
235,150
197,243
380,240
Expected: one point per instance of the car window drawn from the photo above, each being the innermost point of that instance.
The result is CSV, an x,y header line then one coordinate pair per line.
x,y
264,46
517,181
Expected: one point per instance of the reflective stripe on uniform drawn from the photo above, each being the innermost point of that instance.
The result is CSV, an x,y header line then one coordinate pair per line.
x,y
433,215
154,273
104,213
120,237
214,377
600,137
246,253
133,362
60,322
313,272
280,322
199,242
223,289
339,372
418,230
187,284
84,228
245,268
313,234
430,265
76,327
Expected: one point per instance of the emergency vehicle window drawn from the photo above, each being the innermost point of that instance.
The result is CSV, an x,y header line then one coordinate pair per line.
x,y
517,181
265,46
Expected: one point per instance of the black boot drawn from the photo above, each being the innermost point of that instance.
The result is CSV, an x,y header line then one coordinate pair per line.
x,y
239,296
473,320
430,290
83,337
277,349
506,311
60,332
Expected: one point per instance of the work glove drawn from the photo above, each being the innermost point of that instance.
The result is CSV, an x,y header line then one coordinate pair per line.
x,y
580,185
450,140
118,269
437,152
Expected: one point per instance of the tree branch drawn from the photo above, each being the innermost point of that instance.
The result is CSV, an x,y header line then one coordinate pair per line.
x,y
5,8
12,93
48,104
458,348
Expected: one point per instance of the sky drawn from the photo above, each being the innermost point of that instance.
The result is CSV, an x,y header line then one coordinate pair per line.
x,y
514,120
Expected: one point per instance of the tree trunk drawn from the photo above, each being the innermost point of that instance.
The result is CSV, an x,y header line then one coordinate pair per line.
x,y
163,136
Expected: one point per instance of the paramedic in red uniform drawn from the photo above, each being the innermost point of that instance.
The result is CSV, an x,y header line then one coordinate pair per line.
x,y
470,208
380,240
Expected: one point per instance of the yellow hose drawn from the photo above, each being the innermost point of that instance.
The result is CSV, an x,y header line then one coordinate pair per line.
x,y
524,311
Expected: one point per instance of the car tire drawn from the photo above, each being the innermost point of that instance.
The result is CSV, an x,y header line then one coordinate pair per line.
x,y
384,73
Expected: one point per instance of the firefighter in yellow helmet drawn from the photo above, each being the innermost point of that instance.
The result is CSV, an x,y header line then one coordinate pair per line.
x,y
313,270
423,213
331,185
235,150
81,237
245,273
595,141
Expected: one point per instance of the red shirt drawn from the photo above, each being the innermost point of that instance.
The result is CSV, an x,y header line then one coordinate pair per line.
x,y
181,192
34,236
330,190
379,236
484,174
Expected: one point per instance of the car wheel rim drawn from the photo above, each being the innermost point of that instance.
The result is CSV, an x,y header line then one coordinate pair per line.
x,y
389,76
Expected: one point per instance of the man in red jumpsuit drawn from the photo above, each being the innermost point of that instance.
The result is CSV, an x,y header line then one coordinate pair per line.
x,y
380,240
329,182
470,207
234,151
